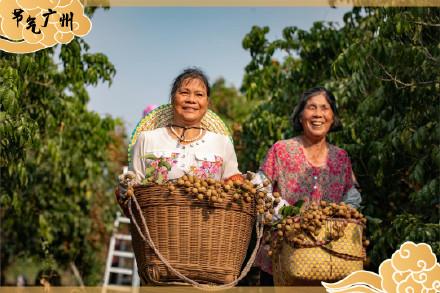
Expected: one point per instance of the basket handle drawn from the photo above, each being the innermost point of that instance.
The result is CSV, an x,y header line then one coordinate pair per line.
x,y
344,255
259,228
331,251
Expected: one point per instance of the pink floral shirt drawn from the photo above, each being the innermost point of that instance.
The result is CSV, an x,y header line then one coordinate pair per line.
x,y
296,178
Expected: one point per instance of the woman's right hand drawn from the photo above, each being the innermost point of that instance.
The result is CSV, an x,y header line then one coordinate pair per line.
x,y
260,179
120,191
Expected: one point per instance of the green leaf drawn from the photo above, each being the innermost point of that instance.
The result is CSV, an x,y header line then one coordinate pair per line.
x,y
287,211
299,203
372,220
150,157
165,164
149,171
160,178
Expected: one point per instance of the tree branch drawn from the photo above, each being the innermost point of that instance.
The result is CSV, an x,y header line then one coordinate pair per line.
x,y
76,274
394,78
426,23
45,84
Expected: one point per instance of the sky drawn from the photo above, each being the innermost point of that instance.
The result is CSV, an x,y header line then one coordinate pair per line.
x,y
150,46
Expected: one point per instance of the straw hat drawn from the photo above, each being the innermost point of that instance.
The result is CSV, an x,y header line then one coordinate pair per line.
x,y
163,116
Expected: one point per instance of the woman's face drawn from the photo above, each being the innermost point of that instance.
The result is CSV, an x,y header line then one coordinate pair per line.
x,y
190,102
317,117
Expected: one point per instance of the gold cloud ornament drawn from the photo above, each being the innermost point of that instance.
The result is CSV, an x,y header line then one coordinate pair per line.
x,y
27,25
412,268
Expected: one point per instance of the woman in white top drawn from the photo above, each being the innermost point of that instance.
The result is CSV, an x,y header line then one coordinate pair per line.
x,y
184,146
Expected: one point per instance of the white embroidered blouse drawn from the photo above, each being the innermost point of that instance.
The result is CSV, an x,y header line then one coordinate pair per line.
x,y
157,154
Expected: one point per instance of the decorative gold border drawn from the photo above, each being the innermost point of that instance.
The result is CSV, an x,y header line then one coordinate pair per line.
x,y
149,289
263,3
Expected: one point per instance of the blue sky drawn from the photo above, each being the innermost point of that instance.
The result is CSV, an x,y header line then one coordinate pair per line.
x,y
150,46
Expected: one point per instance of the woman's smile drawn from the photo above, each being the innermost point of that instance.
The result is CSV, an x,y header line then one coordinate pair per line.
x,y
317,117
190,103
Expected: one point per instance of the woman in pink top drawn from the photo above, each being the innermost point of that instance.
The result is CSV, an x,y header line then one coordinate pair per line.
x,y
307,167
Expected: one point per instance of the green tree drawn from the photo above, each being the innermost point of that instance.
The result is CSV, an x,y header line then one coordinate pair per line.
x,y
56,183
382,65
277,85
391,85
233,108
228,103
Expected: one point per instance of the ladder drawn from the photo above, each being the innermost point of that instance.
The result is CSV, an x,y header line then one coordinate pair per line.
x,y
119,254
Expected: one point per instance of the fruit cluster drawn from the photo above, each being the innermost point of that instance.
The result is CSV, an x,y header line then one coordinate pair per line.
x,y
300,226
220,191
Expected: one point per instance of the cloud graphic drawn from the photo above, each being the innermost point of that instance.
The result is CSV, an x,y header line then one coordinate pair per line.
x,y
412,268
28,25
413,257
429,279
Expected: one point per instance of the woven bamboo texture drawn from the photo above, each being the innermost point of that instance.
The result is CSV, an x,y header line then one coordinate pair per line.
x,y
330,262
206,242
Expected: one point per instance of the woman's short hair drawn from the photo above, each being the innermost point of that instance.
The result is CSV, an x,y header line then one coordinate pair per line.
x,y
189,73
297,112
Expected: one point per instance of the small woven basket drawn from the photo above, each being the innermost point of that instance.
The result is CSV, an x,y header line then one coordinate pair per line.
x,y
329,262
205,242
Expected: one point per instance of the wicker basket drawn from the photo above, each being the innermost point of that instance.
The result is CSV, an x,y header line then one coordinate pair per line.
x,y
205,242
330,262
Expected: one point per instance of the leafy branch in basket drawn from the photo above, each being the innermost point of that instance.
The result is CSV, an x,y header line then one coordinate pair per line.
x,y
157,170
289,211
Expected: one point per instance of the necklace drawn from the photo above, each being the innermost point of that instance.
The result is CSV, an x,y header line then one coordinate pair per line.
x,y
181,137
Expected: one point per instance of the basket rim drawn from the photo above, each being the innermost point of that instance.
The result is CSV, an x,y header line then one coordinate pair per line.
x,y
180,193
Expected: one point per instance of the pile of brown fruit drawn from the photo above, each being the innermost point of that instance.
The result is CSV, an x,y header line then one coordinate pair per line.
x,y
215,191
301,229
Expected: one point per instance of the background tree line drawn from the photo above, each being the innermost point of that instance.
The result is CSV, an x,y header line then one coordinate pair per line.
x,y
383,66
58,160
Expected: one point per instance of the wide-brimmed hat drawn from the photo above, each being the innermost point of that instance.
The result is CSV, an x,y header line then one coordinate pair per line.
x,y
163,116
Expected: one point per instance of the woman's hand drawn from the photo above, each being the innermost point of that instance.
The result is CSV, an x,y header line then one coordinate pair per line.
x,y
264,183
125,182
119,194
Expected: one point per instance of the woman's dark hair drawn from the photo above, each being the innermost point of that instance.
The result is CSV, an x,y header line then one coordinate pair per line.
x,y
297,112
189,73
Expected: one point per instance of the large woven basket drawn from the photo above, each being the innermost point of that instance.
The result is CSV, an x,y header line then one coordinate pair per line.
x,y
330,262
205,242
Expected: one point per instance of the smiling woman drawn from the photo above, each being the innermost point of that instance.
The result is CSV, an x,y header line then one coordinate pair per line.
x,y
307,167
185,144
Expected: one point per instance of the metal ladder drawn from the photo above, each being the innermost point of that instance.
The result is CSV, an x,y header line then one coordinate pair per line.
x,y
122,273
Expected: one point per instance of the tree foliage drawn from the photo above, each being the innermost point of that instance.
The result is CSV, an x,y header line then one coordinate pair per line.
x,y
232,107
56,198
383,66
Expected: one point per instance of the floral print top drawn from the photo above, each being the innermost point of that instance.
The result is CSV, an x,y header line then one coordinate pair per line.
x,y
295,178
159,156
